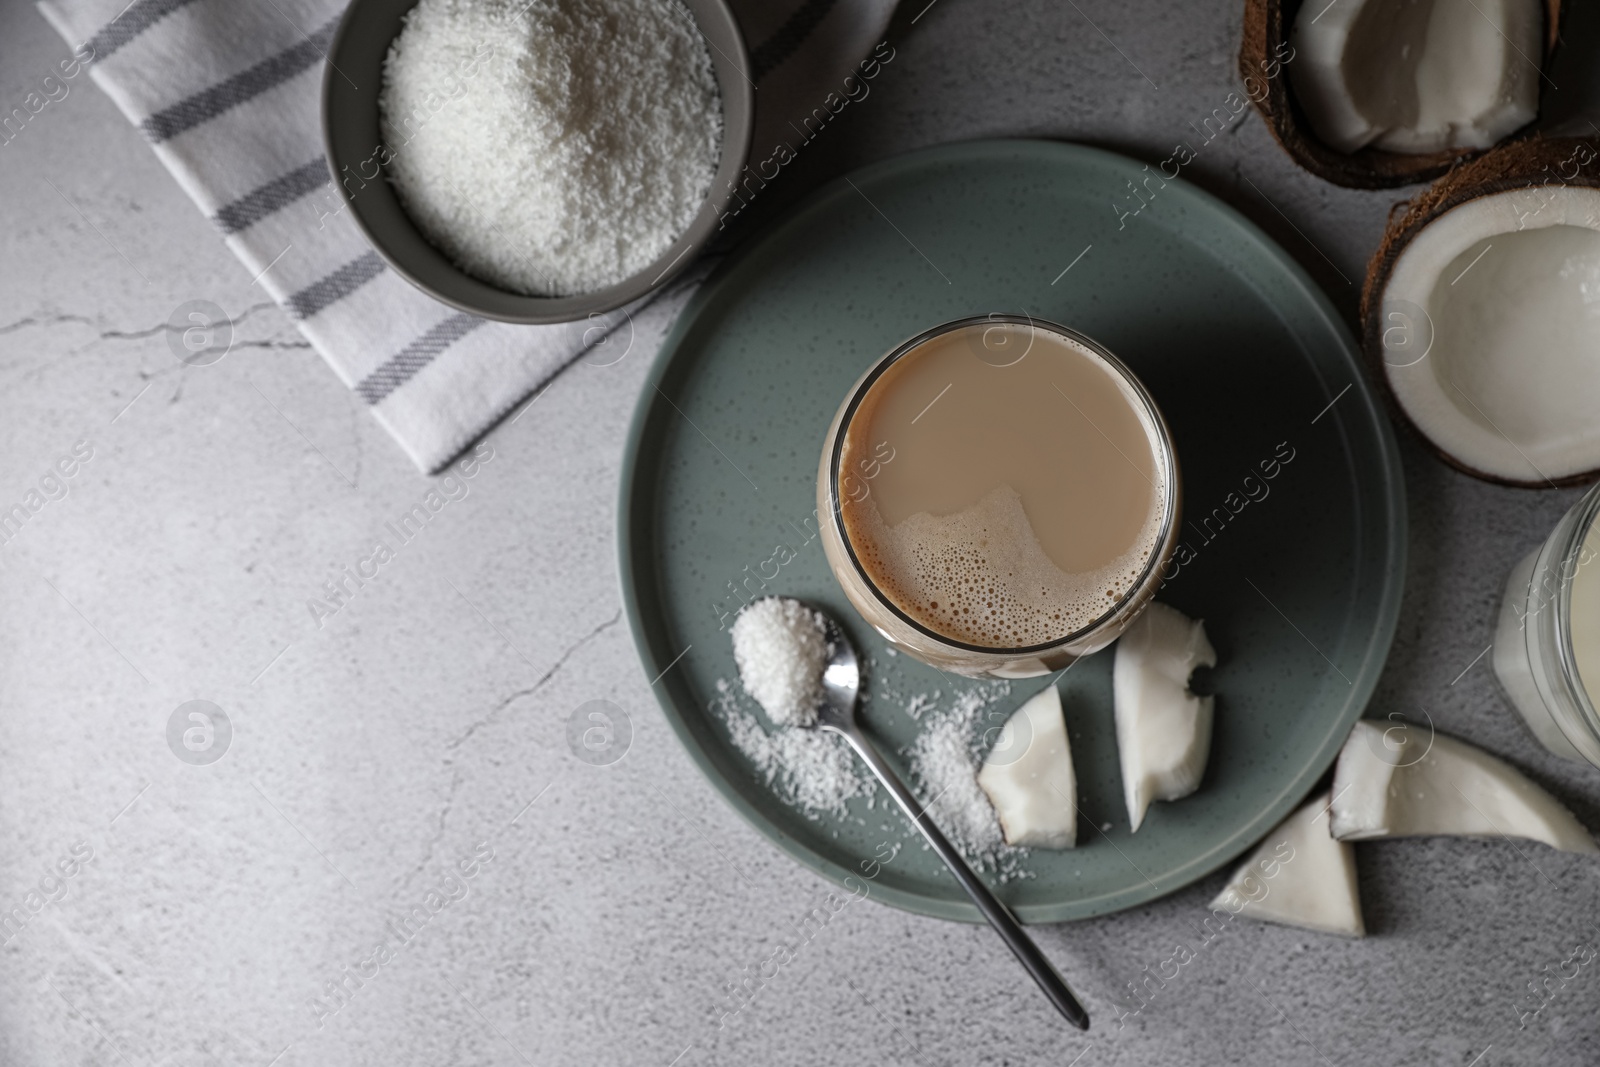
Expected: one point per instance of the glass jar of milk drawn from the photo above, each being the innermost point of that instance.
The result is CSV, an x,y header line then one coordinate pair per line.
x,y
1547,642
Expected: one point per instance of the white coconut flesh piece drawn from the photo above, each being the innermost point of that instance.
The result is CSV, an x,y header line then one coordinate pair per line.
x,y
1394,781
1300,875
1494,314
1029,779
1163,729
1417,76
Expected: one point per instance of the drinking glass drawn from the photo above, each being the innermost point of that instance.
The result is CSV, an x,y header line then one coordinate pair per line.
x,y
1534,657
921,641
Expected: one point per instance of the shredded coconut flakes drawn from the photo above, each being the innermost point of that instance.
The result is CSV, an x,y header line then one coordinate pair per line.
x,y
812,771
781,647
551,147
944,760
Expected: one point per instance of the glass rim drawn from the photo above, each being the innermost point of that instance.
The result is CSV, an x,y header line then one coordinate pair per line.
x,y
1146,402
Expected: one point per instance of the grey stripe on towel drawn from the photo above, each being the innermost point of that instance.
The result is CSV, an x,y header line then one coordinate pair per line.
x,y
336,286
246,85
399,369
277,194
134,20
766,56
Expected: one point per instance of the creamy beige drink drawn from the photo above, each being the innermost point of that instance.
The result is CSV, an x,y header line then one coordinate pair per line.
x,y
1003,486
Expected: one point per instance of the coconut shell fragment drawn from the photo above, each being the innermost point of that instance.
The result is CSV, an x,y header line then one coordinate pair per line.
x,y
1265,55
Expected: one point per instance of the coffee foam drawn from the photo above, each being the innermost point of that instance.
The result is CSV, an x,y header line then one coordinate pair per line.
x,y
980,576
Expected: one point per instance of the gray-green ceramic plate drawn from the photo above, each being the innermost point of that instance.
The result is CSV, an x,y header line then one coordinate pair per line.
x,y
1298,576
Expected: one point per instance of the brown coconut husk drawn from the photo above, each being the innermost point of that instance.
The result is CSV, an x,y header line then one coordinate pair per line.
x,y
1525,164
1266,30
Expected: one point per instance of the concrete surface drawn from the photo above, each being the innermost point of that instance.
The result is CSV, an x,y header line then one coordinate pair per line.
x,y
421,731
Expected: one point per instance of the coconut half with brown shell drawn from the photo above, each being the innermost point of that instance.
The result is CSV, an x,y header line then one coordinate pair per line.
x,y
1372,94
1481,313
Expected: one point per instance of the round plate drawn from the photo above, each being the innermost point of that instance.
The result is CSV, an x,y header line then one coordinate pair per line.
x,y
1297,575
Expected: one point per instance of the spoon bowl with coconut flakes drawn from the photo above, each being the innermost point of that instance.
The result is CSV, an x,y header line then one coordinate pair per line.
x,y
537,161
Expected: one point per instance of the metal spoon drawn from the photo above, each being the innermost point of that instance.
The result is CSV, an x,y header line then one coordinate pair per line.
x,y
841,683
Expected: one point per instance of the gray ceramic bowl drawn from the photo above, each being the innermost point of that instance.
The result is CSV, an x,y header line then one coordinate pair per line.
x,y
350,89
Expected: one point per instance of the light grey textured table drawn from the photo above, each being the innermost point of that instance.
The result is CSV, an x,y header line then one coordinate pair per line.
x,y
425,722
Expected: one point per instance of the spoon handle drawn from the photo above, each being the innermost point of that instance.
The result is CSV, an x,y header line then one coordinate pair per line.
x,y
999,916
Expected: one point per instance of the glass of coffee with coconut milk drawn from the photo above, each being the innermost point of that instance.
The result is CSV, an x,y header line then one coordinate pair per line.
x,y
998,496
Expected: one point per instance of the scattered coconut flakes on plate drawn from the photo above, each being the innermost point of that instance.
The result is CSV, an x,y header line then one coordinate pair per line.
x,y
810,770
920,703
944,760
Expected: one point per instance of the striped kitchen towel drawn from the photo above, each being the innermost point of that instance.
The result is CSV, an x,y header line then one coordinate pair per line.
x,y
228,91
